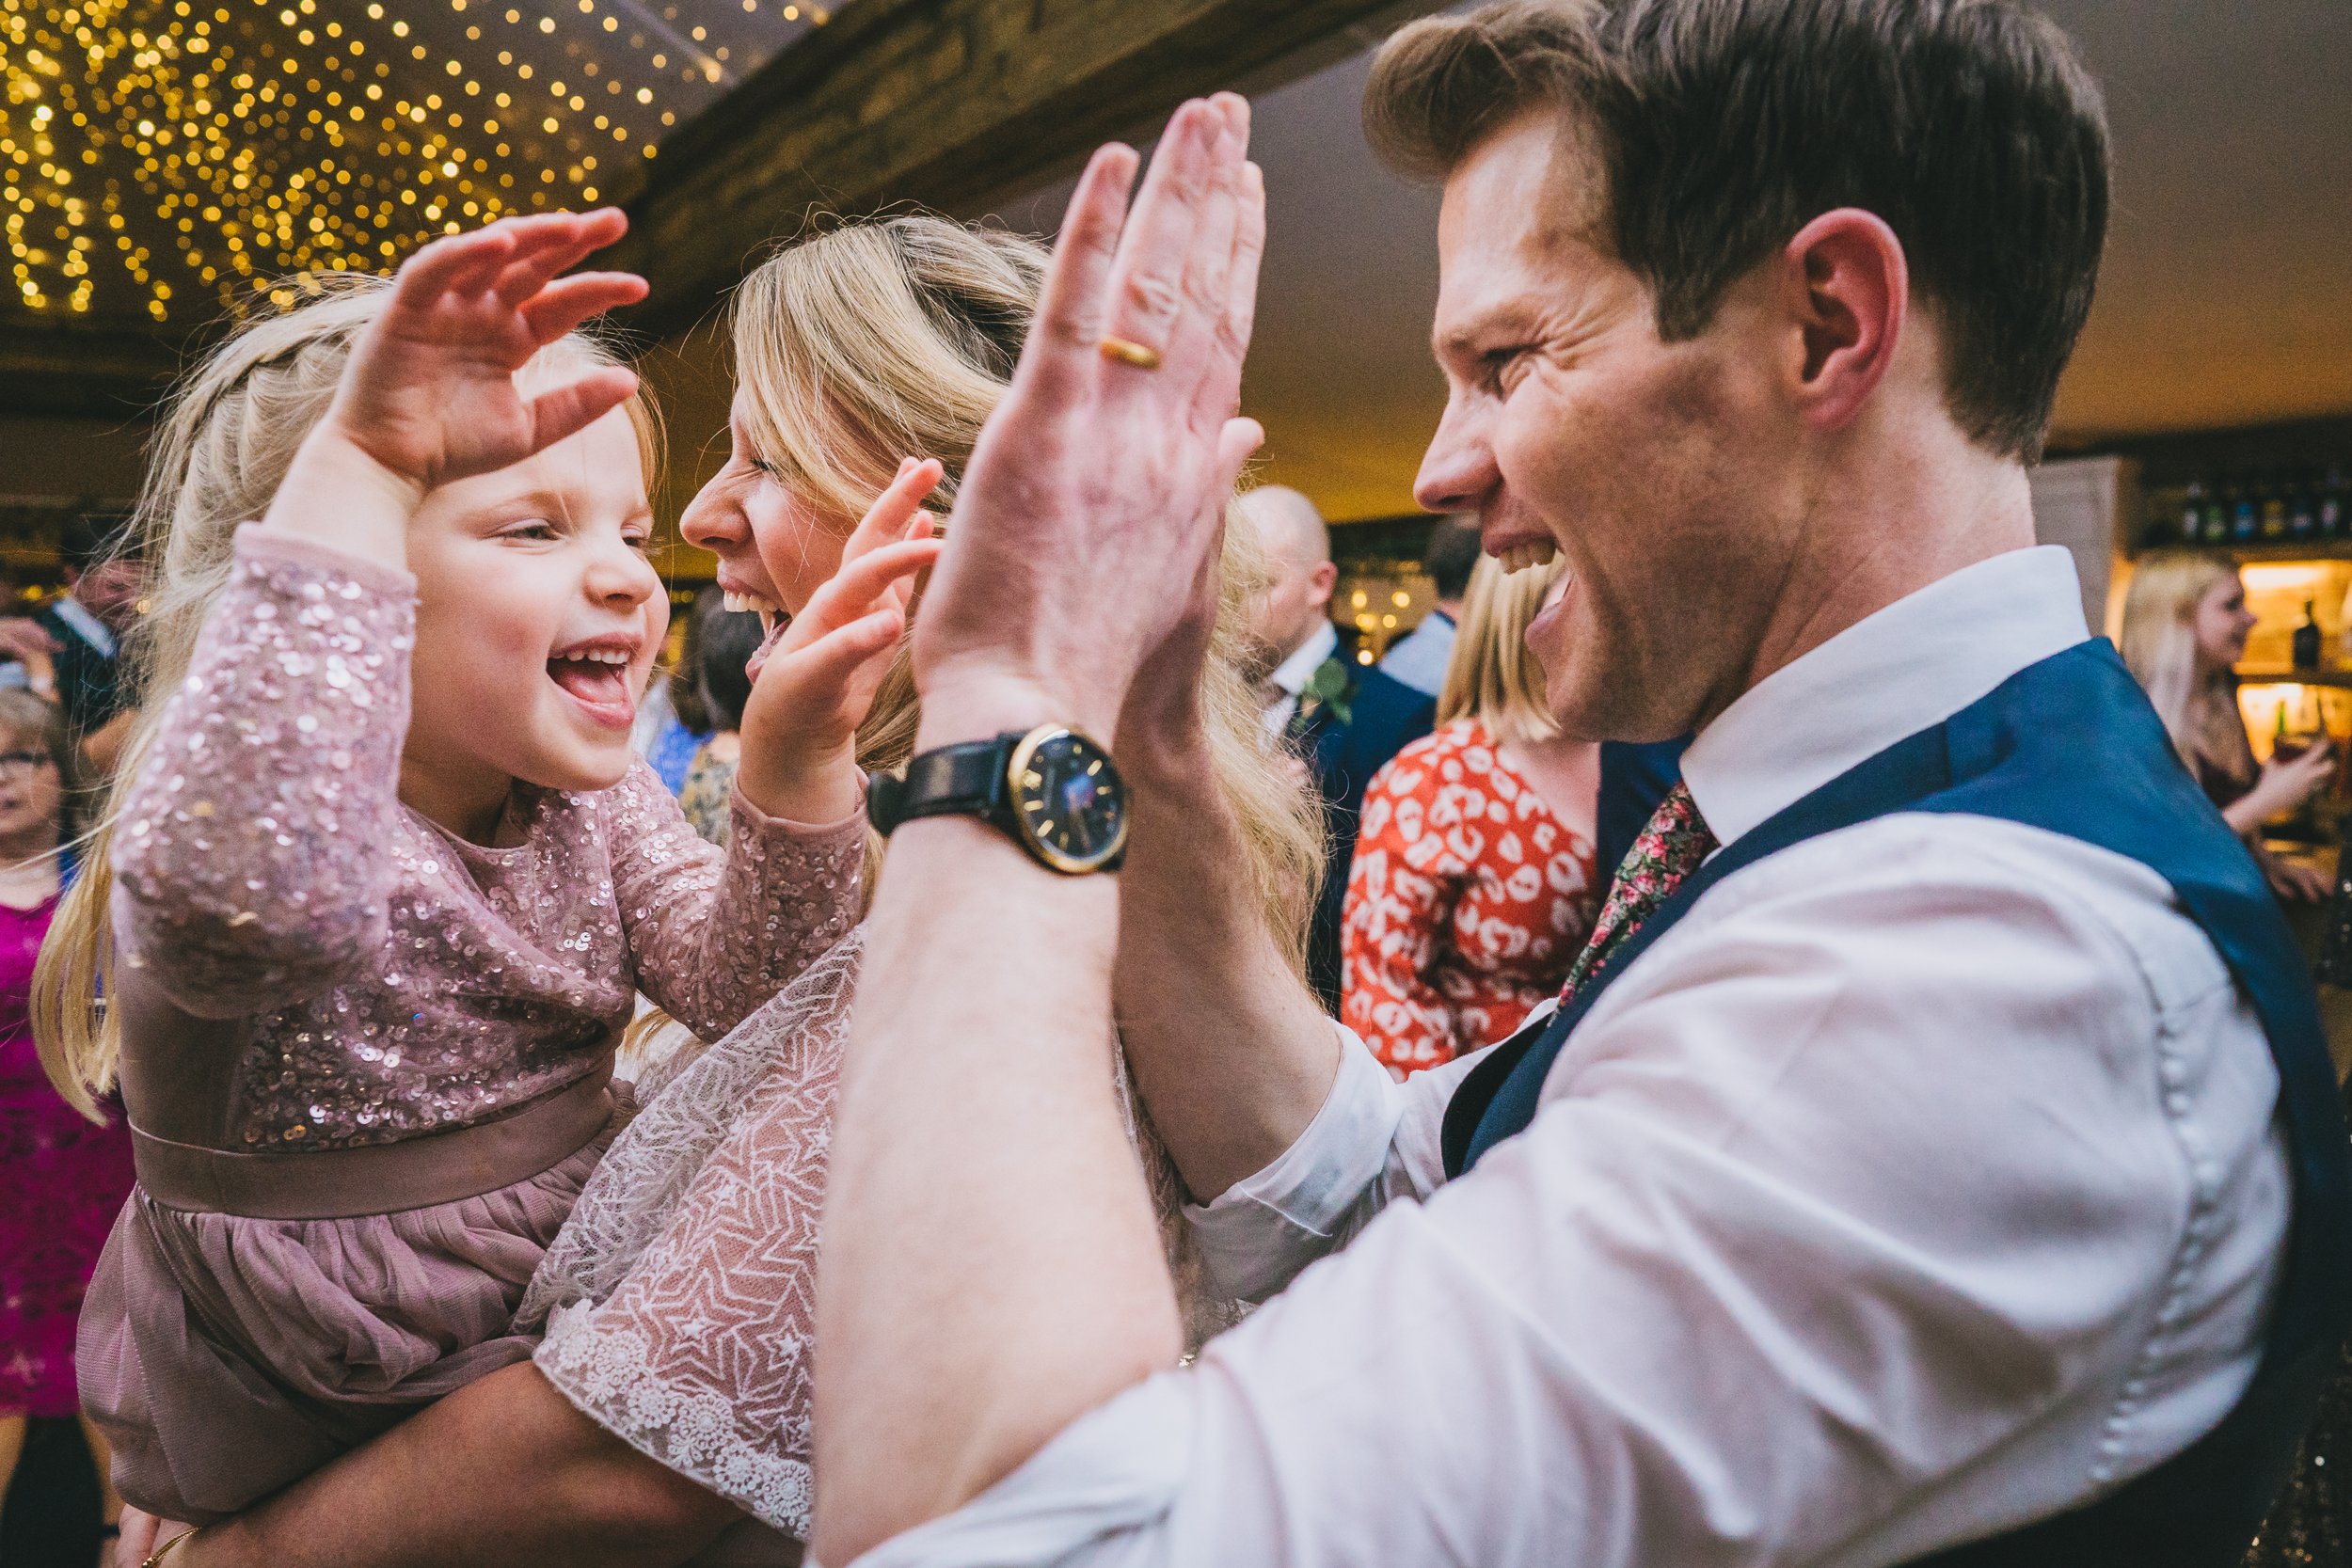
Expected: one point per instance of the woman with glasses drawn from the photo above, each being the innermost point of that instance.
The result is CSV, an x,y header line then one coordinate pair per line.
x,y
62,1179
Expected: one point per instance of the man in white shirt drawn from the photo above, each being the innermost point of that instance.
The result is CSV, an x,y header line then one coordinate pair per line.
x,y
1922,1184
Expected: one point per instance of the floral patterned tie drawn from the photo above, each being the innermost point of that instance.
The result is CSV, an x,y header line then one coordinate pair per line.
x,y
1669,849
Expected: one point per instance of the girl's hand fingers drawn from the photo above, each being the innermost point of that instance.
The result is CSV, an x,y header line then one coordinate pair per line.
x,y
549,243
565,303
857,588
448,266
576,405
886,519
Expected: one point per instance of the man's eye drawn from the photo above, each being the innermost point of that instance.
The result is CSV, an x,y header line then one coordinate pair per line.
x,y
1503,366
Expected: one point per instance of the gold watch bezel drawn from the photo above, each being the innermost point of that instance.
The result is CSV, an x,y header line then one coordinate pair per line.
x,y
1016,794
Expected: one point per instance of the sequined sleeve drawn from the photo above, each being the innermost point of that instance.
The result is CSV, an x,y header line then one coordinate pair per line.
x,y
252,862
713,933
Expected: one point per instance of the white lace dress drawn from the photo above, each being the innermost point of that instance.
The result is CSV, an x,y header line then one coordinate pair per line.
x,y
678,1299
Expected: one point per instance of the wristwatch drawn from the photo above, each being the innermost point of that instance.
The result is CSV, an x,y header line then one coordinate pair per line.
x,y
1051,790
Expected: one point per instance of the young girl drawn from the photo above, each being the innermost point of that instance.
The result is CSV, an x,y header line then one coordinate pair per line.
x,y
384,880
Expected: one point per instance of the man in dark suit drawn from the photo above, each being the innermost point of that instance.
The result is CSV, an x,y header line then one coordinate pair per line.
x,y
1342,718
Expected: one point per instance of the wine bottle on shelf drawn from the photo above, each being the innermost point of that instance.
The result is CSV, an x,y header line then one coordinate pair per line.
x,y
2193,513
2303,506
2217,529
2271,498
2306,640
2245,517
2333,500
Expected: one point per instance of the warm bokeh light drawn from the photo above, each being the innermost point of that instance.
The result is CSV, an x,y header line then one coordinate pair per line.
x,y
156,154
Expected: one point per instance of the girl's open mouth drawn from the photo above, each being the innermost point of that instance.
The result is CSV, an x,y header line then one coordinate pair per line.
x,y
598,679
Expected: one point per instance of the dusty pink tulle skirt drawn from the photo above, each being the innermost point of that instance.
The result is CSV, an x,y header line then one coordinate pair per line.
x,y
226,1356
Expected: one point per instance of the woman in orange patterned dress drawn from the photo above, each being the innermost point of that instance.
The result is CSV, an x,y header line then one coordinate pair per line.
x,y
1473,883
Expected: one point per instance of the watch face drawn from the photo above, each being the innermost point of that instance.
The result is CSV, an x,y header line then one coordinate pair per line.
x,y
1069,799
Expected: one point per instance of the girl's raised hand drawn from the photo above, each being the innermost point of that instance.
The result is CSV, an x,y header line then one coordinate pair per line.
x,y
821,674
430,392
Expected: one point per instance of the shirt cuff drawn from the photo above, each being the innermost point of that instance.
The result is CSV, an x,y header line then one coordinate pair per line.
x,y
1113,1472
1258,1233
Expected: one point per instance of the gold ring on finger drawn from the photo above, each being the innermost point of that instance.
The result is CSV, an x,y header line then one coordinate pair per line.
x,y
1138,355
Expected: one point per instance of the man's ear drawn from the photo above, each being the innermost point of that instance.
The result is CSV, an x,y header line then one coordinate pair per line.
x,y
1320,582
1849,288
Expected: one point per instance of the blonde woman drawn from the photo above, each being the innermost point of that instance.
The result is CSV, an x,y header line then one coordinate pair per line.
x,y
2185,629
1473,885
669,1397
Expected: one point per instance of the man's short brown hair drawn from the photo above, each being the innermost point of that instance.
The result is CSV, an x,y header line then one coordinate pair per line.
x,y
1725,126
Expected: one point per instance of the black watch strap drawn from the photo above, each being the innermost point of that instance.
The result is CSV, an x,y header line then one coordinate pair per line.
x,y
1051,790
966,780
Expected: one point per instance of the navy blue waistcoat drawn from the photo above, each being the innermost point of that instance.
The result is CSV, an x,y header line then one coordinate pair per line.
x,y
2070,745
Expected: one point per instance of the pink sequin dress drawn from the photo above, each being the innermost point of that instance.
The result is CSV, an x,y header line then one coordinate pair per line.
x,y
365,1060
62,1180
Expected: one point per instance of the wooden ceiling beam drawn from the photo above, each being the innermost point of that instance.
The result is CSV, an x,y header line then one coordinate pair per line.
x,y
79,369
945,102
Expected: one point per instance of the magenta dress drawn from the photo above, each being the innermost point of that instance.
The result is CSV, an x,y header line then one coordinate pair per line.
x,y
62,1180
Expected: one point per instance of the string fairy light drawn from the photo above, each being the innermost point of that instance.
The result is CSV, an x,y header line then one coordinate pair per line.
x,y
159,157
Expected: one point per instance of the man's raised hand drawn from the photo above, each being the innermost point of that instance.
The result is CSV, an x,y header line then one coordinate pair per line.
x,y
1087,508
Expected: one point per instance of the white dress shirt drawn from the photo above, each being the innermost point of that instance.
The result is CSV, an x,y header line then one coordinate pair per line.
x,y
1419,657
1921,1180
1290,676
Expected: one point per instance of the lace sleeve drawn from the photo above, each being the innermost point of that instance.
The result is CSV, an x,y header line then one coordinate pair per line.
x,y
679,1298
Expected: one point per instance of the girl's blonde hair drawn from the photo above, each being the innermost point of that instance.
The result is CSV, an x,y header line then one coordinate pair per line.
x,y
220,451
2198,705
1491,676
896,337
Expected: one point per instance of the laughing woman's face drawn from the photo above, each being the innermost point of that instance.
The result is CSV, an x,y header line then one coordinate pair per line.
x,y
774,549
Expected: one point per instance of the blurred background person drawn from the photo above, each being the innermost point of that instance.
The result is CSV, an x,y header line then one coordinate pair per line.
x,y
671,723
62,1179
1474,884
2184,628
103,589
1309,678
29,656
727,642
1419,658
1307,689
1340,718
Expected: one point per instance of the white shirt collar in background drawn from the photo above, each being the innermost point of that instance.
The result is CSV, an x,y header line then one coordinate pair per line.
x,y
92,630
1891,674
1290,676
1294,673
